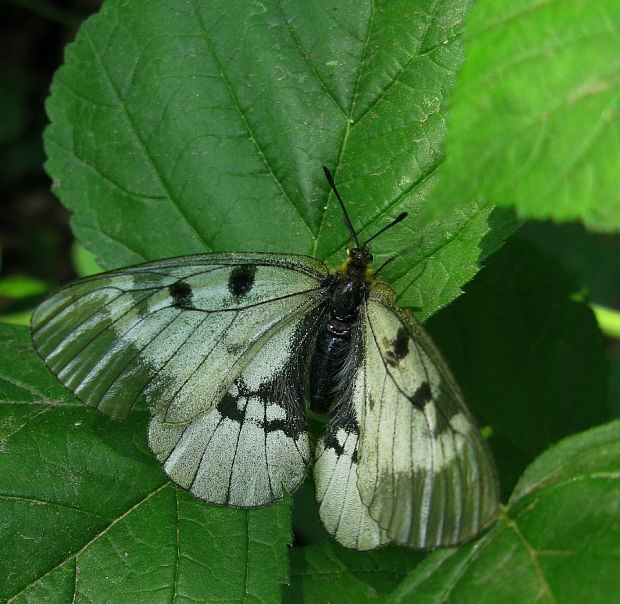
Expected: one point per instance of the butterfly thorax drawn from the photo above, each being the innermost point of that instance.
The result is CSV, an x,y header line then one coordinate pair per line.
x,y
347,295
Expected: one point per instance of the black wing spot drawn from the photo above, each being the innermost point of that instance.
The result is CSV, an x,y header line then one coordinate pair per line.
x,y
399,347
422,395
348,425
331,442
181,294
241,280
229,408
284,425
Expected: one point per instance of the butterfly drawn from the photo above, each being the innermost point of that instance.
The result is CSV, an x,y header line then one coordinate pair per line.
x,y
227,347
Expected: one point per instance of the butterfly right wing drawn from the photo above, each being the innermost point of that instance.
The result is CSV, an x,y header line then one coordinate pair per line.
x,y
402,459
209,341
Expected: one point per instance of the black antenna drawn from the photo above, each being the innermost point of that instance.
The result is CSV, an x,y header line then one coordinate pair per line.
x,y
347,220
396,220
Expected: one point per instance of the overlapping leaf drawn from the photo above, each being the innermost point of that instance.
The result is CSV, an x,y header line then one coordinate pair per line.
x,y
534,113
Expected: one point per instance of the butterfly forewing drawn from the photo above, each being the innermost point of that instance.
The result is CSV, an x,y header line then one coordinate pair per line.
x,y
213,342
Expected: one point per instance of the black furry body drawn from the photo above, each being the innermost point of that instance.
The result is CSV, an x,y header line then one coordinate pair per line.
x,y
333,344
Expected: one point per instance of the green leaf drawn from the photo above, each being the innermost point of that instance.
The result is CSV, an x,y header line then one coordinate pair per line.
x,y
330,573
180,129
83,261
592,257
17,295
608,320
534,113
556,542
614,386
528,354
17,287
88,513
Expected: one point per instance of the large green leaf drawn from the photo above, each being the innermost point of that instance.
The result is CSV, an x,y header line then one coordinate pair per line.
x,y
88,514
179,128
556,542
535,112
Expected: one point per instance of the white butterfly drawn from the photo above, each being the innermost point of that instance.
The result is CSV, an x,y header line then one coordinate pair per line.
x,y
222,346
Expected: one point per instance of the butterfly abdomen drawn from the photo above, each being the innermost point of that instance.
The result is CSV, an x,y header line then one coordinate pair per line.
x,y
333,343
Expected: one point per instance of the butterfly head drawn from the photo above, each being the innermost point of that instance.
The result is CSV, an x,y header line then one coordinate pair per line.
x,y
359,257
358,263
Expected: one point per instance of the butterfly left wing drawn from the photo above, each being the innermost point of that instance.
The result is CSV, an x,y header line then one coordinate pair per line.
x,y
416,469
253,445
212,342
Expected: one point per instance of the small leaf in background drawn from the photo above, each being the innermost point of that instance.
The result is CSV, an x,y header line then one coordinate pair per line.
x,y
84,261
17,287
557,541
17,295
535,113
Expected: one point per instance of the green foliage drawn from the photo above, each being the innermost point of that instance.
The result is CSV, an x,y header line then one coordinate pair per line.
x,y
82,497
17,292
561,517
539,369
535,112
192,129
84,261
179,128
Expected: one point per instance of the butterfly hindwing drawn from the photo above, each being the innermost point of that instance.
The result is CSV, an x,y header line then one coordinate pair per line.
x,y
341,509
253,445
212,342
424,477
